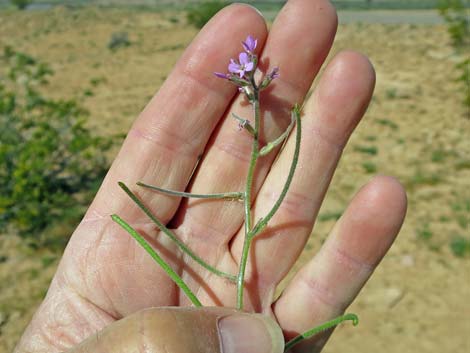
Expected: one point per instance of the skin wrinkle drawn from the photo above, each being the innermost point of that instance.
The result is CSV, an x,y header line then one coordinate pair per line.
x,y
193,219
57,335
235,150
194,106
112,193
118,289
291,205
104,317
90,287
240,142
70,337
93,251
48,336
323,137
198,227
172,144
92,215
163,166
207,84
94,307
348,261
320,292
111,305
80,268
131,270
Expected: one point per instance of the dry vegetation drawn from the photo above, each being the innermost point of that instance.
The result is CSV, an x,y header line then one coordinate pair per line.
x,y
415,130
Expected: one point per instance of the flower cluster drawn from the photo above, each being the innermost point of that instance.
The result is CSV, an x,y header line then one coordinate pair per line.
x,y
241,71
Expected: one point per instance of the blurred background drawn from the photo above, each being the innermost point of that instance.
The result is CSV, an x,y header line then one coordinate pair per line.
x,y
74,75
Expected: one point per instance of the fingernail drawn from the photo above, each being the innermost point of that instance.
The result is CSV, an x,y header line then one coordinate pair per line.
x,y
245,333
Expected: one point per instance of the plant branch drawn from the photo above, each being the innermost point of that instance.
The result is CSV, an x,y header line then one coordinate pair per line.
x,y
224,195
247,204
323,327
163,264
264,221
173,237
273,144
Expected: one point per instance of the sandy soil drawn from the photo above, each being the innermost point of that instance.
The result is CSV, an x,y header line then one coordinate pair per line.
x,y
415,129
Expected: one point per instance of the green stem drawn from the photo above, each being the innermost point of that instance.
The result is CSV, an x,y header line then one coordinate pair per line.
x,y
247,204
273,144
224,195
163,264
173,237
264,221
327,325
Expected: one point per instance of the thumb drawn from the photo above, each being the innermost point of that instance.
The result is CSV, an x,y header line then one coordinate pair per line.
x,y
187,330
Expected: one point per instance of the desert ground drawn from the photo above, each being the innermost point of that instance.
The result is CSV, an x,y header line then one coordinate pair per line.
x,y
416,130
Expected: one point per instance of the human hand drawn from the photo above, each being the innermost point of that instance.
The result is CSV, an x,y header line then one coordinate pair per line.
x,y
105,276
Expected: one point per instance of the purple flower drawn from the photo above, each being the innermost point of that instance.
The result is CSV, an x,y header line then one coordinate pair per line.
x,y
221,75
269,78
274,74
250,44
245,65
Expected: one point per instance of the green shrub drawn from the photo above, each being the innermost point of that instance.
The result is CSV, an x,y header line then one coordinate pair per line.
x,y
464,78
21,4
424,233
389,123
119,40
457,18
50,162
199,14
372,150
369,167
460,246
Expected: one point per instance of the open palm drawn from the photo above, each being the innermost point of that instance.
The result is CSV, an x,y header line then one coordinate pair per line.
x,y
105,275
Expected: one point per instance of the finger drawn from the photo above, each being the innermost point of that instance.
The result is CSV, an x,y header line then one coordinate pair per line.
x,y
326,286
165,141
171,330
330,116
298,43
